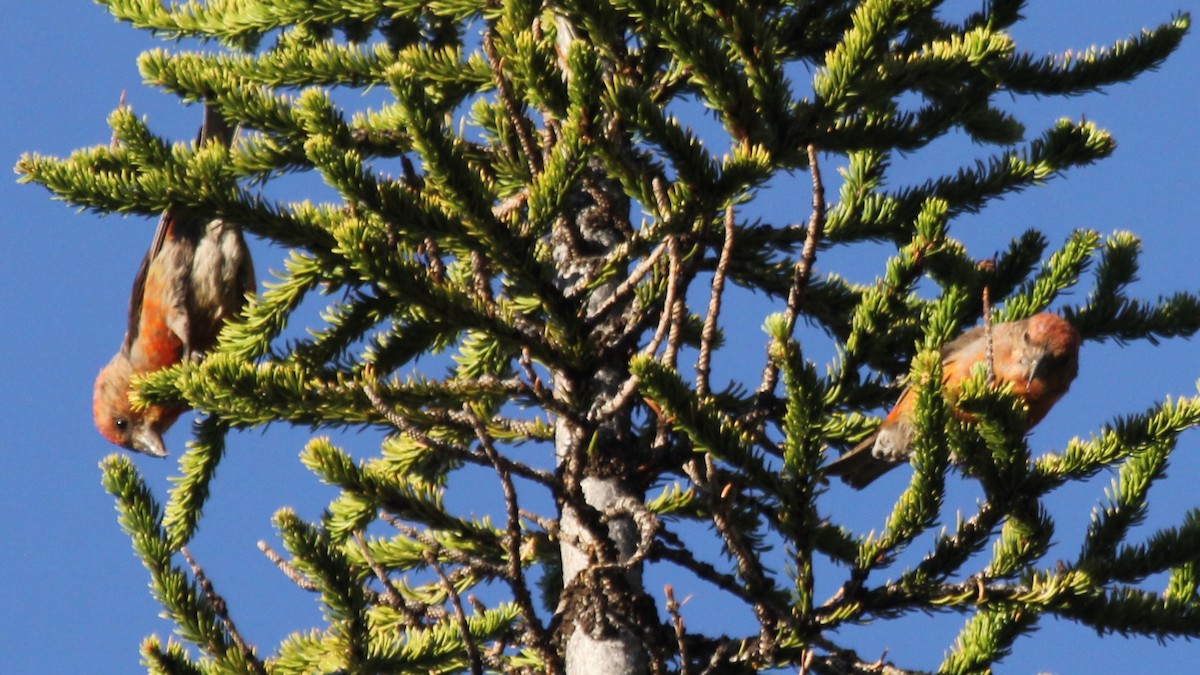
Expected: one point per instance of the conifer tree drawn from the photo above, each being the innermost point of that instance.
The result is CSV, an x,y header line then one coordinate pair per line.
x,y
525,201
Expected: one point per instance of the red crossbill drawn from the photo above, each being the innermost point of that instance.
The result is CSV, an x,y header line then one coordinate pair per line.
x,y
195,275
1038,356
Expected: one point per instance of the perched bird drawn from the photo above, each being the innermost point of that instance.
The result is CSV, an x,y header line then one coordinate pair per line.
x,y
195,275
1038,356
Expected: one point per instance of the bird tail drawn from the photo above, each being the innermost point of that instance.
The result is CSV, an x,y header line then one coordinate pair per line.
x,y
860,467
215,127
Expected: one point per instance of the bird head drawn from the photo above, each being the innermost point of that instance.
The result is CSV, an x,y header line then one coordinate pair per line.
x,y
138,430
1053,348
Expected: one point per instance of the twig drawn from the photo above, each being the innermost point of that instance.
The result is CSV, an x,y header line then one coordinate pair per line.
x,y
535,384
478,566
803,269
749,567
222,611
459,615
286,567
635,276
679,554
661,201
540,394
709,333
840,660
406,427
507,207
677,624
622,398
515,574
482,282
389,591
988,353
674,310
399,421
647,524
806,661
719,657
116,142
519,121
665,326
433,255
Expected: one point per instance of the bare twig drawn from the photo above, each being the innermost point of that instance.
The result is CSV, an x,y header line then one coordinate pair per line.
x,y
647,524
459,615
286,567
550,525
389,591
679,554
399,421
520,122
506,208
675,309
115,142
661,201
720,657
515,574
677,624
665,327
803,269
433,255
482,281
406,427
627,286
622,398
535,384
846,661
988,353
749,567
222,611
806,661
709,333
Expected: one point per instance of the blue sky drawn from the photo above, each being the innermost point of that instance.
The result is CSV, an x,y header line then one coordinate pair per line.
x,y
76,599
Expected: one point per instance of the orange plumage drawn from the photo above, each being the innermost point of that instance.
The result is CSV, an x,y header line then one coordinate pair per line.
x,y
195,276
1038,356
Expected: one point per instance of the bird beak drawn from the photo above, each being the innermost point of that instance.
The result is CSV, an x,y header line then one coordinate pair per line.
x,y
148,441
1036,368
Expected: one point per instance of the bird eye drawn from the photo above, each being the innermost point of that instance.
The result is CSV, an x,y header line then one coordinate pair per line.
x,y
121,424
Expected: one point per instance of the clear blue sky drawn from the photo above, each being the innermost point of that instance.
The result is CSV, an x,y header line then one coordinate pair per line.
x,y
76,599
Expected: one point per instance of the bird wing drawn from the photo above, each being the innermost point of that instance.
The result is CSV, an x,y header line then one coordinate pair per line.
x,y
138,292
214,127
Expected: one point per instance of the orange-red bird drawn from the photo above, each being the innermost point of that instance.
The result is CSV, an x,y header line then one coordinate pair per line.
x,y
195,275
1038,356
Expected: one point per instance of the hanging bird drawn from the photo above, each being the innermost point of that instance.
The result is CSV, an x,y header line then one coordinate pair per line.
x,y
196,275
1038,356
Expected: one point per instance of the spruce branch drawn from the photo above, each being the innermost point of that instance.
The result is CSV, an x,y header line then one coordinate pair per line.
x,y
218,605
515,574
389,591
170,661
198,465
520,122
460,616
